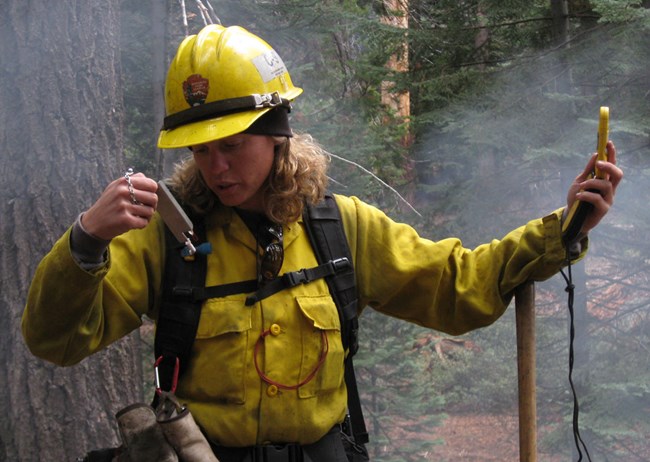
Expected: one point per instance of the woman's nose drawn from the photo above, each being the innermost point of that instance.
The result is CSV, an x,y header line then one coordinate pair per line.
x,y
218,162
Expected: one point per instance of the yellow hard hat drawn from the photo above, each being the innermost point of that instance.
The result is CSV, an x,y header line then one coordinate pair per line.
x,y
220,82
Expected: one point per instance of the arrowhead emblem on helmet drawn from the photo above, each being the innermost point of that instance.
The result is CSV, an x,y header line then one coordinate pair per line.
x,y
195,89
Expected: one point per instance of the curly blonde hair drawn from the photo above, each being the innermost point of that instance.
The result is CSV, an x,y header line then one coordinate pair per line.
x,y
298,177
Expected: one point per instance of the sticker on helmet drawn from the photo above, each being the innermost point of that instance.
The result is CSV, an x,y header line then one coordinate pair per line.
x,y
269,65
195,89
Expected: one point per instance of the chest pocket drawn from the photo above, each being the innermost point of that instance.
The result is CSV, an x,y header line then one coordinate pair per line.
x,y
220,355
321,317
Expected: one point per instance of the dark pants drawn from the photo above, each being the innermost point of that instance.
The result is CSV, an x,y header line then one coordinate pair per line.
x,y
328,449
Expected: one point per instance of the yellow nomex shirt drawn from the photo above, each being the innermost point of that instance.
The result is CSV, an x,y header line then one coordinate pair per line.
x,y
440,285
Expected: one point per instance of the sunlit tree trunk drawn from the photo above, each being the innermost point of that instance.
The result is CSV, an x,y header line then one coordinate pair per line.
x,y
396,15
61,143
398,102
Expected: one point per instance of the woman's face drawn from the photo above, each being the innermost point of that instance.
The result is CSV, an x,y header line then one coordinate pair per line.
x,y
236,168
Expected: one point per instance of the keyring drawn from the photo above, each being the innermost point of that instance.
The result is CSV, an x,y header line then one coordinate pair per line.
x,y
127,176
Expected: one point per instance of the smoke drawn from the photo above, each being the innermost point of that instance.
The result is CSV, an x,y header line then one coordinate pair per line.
x,y
506,154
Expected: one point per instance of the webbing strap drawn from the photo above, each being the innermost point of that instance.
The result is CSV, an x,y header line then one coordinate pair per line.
x,y
325,229
286,281
184,290
294,278
177,320
199,294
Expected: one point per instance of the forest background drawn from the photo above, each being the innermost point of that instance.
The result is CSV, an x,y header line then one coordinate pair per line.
x,y
463,118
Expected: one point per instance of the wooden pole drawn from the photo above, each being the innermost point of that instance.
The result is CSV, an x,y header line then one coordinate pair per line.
x,y
525,314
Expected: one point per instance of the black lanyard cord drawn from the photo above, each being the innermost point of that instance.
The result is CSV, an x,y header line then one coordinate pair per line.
x,y
570,289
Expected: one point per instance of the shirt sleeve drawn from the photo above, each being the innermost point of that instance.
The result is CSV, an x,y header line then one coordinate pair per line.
x,y
74,310
441,284
87,250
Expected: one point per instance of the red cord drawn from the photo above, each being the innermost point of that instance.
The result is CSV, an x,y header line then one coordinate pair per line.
x,y
312,374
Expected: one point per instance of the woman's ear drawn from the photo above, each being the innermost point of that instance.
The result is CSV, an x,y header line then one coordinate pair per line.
x,y
279,140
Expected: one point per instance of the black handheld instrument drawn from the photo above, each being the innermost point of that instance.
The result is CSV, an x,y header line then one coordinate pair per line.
x,y
580,210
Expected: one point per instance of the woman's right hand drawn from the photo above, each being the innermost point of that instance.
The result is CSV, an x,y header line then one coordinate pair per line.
x,y
120,208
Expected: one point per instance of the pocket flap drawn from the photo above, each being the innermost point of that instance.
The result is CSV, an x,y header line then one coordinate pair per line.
x,y
224,315
321,310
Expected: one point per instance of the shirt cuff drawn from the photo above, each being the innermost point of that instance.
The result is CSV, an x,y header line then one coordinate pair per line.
x,y
576,247
89,251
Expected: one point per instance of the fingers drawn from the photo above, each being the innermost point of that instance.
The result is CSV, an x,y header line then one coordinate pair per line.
x,y
588,170
127,203
139,202
611,152
610,176
598,191
142,192
612,172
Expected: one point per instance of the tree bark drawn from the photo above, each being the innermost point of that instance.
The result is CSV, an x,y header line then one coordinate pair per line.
x,y
61,142
397,16
166,158
399,102
561,34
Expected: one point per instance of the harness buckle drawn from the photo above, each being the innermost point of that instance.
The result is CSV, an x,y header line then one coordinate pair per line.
x,y
183,292
297,277
267,100
278,453
341,264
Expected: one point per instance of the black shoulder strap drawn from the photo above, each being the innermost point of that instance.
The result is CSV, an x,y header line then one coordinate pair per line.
x,y
327,236
325,229
183,291
179,315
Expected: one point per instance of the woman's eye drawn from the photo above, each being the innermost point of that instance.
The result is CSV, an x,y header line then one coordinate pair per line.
x,y
199,149
230,146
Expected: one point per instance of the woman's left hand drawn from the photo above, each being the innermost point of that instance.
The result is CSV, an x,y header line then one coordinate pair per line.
x,y
599,192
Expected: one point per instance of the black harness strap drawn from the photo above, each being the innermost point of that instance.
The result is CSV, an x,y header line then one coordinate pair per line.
x,y
294,278
184,291
178,320
199,294
286,281
326,233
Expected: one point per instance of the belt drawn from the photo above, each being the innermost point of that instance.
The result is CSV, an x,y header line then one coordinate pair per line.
x,y
328,449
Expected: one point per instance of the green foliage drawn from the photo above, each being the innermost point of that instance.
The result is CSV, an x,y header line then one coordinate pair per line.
x,y
620,10
322,46
401,401
483,377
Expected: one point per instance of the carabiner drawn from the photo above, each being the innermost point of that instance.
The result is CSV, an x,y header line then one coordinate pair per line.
x,y
174,377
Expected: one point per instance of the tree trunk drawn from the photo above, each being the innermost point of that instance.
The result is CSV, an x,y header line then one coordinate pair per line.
x,y
564,81
166,158
397,16
61,142
560,13
399,102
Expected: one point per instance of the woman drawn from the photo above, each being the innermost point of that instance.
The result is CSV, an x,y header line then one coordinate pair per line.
x,y
270,373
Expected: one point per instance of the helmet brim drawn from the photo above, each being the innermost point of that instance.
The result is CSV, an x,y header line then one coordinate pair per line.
x,y
213,129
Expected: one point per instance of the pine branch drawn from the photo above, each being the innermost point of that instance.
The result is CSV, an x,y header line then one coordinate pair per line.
x,y
379,180
527,20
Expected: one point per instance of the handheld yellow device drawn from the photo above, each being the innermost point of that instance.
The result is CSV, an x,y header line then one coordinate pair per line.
x,y
579,210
